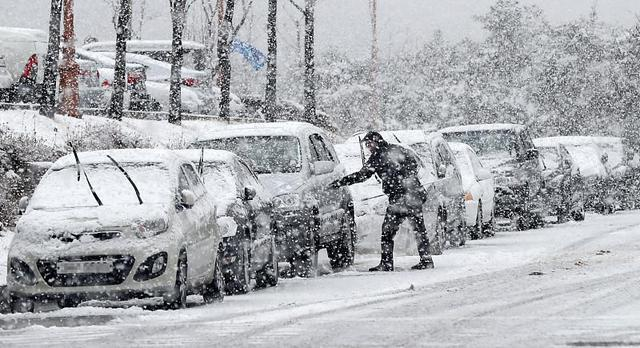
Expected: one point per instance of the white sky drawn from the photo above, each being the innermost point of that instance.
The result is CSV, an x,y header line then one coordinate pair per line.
x,y
344,24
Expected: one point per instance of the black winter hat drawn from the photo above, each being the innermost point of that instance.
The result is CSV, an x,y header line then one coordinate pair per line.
x,y
374,136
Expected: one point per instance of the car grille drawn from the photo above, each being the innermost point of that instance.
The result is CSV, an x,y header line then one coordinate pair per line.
x,y
68,237
122,265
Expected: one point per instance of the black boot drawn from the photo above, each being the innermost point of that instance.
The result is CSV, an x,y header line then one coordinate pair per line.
x,y
426,262
382,267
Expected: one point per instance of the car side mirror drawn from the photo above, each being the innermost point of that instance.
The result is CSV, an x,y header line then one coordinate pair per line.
x,y
22,205
441,171
531,154
249,193
322,167
187,198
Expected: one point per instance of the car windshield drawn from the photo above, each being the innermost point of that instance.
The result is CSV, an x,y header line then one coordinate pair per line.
x,y
550,156
60,189
219,180
267,154
487,143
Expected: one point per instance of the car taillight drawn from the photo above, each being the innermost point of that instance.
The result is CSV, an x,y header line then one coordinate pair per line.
x,y
190,82
133,78
31,65
106,84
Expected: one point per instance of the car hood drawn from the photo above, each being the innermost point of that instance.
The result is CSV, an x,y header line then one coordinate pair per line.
x,y
42,224
281,183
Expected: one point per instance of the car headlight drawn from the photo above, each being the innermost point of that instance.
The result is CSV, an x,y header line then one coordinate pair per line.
x,y
21,272
291,200
150,228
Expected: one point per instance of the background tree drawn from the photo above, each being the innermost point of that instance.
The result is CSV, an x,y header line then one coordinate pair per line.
x,y
177,56
116,106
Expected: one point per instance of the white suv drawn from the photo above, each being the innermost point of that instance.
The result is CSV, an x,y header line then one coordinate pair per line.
x,y
115,225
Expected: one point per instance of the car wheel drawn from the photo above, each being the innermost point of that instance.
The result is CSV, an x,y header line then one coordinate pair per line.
x,y
269,274
214,291
305,262
341,252
69,301
477,231
578,215
237,281
179,297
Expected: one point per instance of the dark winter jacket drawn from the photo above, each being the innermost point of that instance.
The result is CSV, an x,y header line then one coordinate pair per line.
x,y
397,168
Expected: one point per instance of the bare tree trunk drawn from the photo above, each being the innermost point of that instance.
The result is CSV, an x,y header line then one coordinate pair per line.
x,y
309,63
48,99
223,58
69,68
175,93
119,76
272,48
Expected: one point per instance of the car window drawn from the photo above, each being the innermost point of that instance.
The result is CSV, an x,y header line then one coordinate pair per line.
x,y
475,162
194,181
319,151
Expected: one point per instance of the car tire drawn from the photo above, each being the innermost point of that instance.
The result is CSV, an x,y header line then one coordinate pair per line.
x,y
214,291
477,231
305,261
341,252
69,301
178,299
578,215
238,280
268,275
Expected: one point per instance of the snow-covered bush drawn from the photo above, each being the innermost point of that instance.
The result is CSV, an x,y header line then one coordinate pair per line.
x,y
17,177
105,136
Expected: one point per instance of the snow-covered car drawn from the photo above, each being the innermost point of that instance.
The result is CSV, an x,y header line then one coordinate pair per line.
x,y
197,92
244,214
479,191
510,153
592,164
442,180
296,162
21,51
564,185
116,224
91,94
194,53
137,98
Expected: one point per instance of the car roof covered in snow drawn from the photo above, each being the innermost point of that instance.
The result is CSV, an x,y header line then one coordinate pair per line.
x,y
298,129
22,34
122,156
142,45
482,127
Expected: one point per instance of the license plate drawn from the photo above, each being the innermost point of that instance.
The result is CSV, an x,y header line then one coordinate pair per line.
x,y
85,267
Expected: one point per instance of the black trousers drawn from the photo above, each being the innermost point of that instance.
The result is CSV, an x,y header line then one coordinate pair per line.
x,y
394,217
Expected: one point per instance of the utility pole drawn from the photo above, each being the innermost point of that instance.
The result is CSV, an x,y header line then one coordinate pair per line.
x,y
48,99
272,48
376,122
224,32
119,75
177,56
309,62
69,69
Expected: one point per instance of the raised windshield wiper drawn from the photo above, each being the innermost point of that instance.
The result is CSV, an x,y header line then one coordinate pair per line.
x,y
79,167
135,188
201,162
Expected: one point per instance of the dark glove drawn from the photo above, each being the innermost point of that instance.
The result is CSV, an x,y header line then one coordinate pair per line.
x,y
334,185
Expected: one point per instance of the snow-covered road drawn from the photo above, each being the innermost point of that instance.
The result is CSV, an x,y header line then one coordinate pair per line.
x,y
575,284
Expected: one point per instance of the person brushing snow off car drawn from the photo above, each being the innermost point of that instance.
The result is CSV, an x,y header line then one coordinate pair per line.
x,y
397,168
